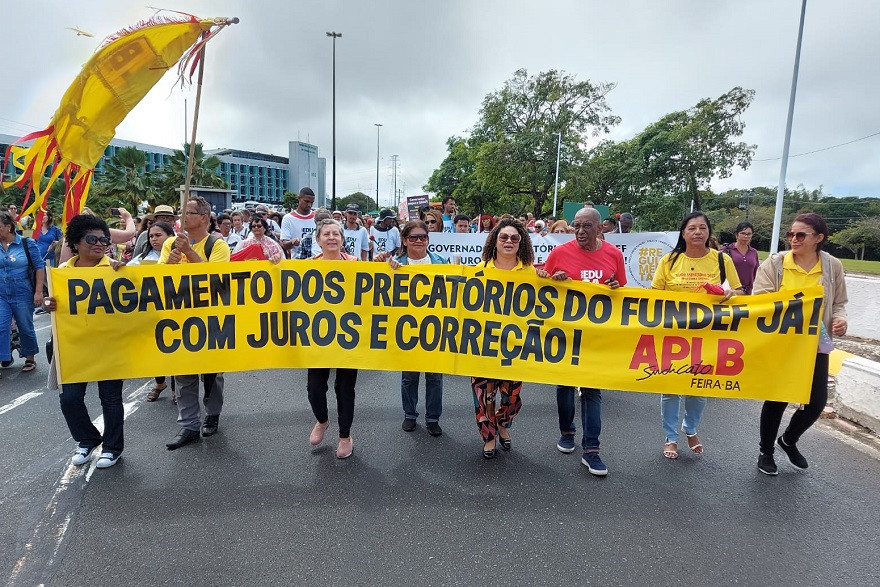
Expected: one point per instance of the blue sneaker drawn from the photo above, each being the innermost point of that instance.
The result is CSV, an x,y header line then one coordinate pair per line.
x,y
566,443
594,464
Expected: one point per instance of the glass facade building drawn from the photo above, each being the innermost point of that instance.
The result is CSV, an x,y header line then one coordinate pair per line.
x,y
253,176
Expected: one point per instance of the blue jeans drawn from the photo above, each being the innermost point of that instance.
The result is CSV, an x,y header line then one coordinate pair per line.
x,y
591,414
17,299
73,406
670,407
409,394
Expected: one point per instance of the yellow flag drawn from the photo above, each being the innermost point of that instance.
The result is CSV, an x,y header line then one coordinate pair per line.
x,y
110,85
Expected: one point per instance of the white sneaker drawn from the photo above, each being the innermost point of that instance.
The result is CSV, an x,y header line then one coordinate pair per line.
x,y
107,459
82,455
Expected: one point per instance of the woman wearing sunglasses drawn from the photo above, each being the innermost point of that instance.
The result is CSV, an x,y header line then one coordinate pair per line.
x,y
434,220
260,236
414,243
88,237
805,265
508,248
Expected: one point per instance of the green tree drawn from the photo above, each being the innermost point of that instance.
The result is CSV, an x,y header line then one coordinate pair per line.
x,y
683,151
673,158
125,179
169,178
858,236
508,163
363,201
291,201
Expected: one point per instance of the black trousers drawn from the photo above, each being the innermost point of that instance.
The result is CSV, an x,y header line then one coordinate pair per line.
x,y
771,413
344,388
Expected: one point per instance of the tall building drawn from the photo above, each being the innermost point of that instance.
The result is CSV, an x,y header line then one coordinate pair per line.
x,y
308,170
253,176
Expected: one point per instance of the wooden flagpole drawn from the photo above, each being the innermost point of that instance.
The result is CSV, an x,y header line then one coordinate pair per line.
x,y
184,195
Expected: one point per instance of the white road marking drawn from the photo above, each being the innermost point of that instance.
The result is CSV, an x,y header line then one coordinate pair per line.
x,y
20,400
58,514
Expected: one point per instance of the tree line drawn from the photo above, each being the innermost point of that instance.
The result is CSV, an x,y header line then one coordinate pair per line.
x,y
507,163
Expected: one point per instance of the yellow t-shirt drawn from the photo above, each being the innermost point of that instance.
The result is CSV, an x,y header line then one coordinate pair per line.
x,y
795,277
104,262
689,274
219,253
490,264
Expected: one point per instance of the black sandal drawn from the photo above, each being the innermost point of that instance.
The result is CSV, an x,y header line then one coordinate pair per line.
x,y
506,444
489,453
29,365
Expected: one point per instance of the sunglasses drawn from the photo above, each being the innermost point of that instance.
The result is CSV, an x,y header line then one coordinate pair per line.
x,y
798,236
256,226
417,237
430,222
92,239
514,238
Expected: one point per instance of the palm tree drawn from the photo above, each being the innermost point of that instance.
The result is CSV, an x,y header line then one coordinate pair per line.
x,y
125,178
205,173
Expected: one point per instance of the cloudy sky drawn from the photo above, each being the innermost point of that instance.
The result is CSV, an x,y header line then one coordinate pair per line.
x,y
422,70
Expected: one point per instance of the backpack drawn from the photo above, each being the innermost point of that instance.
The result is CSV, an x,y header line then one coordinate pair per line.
x,y
209,246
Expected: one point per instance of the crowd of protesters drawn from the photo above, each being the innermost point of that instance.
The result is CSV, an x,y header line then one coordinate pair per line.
x,y
307,233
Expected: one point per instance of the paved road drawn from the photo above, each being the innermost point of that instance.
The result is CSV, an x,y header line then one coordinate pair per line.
x,y
255,505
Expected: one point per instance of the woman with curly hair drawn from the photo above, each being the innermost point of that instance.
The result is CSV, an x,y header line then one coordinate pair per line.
x,y
507,248
88,237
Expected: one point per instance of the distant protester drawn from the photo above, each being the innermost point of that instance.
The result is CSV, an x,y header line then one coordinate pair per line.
x,y
744,255
21,274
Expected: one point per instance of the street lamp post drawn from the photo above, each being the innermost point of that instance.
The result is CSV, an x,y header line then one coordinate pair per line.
x,y
378,126
334,35
556,183
780,190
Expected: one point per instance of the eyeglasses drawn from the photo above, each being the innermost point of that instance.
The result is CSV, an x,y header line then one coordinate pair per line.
x,y
798,236
746,234
514,238
92,239
587,226
417,237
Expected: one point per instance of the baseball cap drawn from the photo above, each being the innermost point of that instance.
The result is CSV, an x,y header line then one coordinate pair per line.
x,y
353,208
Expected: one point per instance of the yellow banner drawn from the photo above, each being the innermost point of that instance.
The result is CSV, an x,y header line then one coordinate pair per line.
x,y
201,318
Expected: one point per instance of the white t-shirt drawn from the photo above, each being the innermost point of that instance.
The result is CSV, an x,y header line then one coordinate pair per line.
x,y
296,226
386,240
426,260
232,240
356,240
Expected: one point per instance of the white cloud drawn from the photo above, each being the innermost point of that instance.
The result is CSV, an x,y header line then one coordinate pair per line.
x,y
423,69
